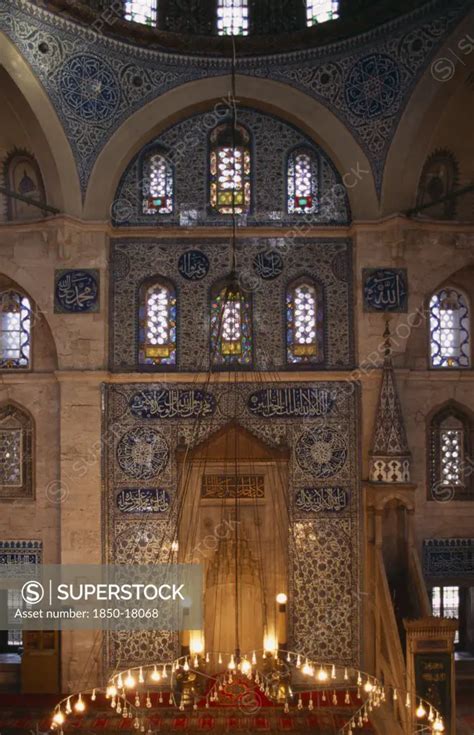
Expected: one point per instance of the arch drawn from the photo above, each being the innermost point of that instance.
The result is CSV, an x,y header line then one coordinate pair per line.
x,y
233,442
51,146
438,178
157,324
230,148
450,438
231,334
15,278
449,328
302,195
158,189
403,498
17,444
305,294
21,163
304,112
413,139
418,346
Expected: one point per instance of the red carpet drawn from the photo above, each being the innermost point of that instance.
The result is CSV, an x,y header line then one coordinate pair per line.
x,y
32,714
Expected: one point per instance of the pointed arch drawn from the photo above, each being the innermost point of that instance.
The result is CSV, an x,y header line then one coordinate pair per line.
x,y
157,181
231,338
49,141
16,318
22,175
230,169
450,328
304,321
16,452
441,84
157,315
306,113
450,430
302,181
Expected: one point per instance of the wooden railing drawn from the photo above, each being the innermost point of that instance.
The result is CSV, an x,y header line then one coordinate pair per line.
x,y
417,584
389,659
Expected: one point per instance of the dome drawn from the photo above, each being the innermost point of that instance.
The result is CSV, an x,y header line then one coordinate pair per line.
x,y
216,27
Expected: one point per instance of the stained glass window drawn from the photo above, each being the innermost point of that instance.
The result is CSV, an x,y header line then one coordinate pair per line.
x,y
141,11
231,326
10,457
452,476
302,182
157,185
319,11
232,17
157,324
230,169
449,329
24,178
445,604
451,452
16,449
304,323
15,330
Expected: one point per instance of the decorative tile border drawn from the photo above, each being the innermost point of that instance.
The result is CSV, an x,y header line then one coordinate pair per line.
x,y
448,557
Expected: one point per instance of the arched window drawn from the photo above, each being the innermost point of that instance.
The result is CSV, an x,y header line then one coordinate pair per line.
x,y
230,169
23,177
16,450
304,310
438,179
231,326
142,11
232,17
319,11
450,446
449,329
157,184
15,330
302,182
157,319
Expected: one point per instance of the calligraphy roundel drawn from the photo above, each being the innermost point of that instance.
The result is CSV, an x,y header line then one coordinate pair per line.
x,y
193,265
268,265
385,289
321,451
142,453
77,291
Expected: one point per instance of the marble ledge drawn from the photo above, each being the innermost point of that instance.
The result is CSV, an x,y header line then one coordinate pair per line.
x,y
297,230
356,375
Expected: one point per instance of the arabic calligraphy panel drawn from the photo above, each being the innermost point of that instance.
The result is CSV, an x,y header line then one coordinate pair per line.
x,y
228,486
172,404
321,500
268,265
448,557
76,291
385,289
291,402
143,500
193,265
